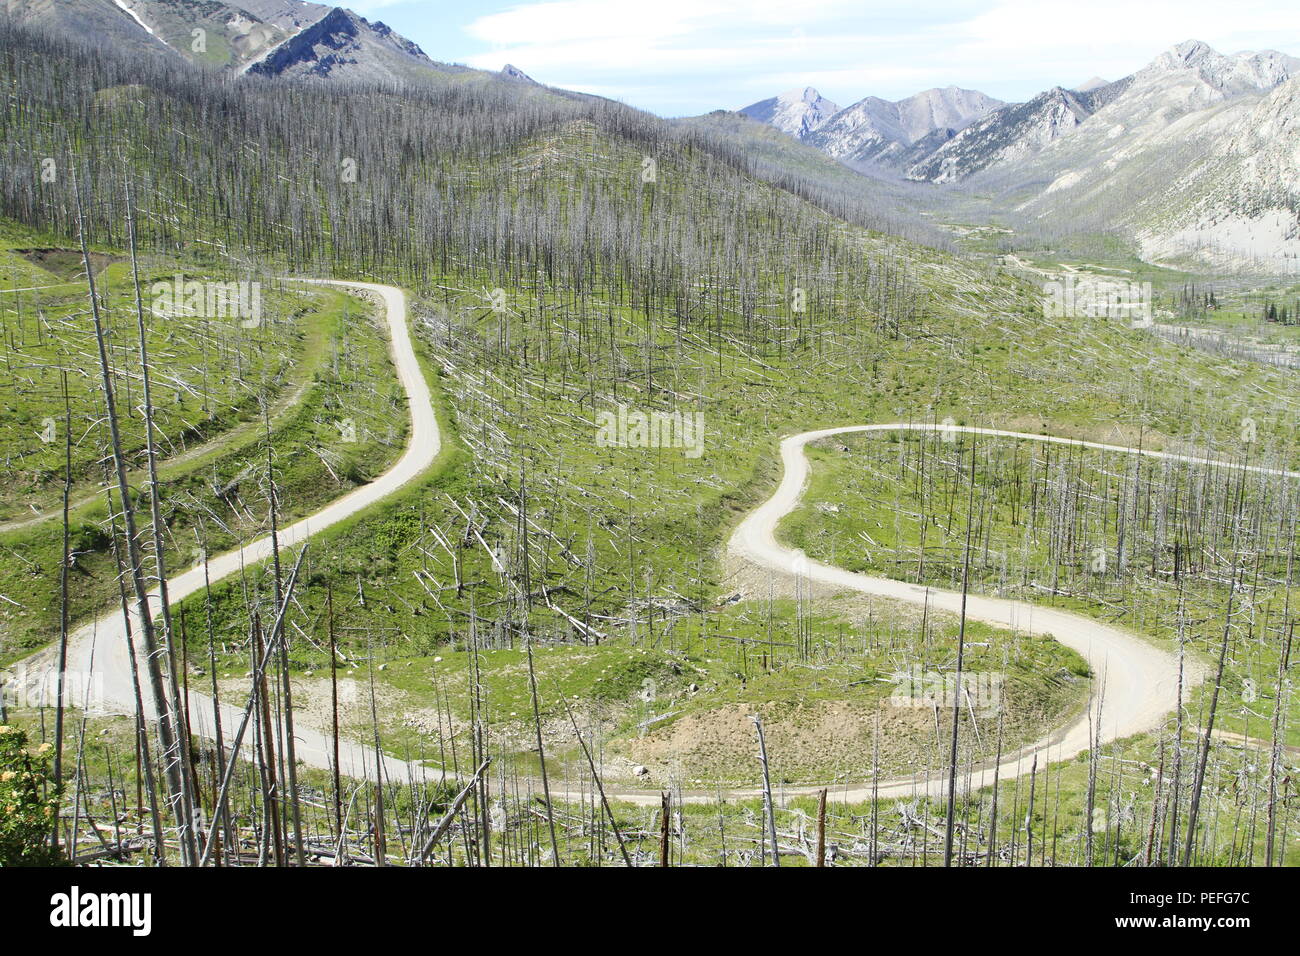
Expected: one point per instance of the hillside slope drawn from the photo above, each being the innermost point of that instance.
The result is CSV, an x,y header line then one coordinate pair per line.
x,y
876,132
290,38
91,21
1197,170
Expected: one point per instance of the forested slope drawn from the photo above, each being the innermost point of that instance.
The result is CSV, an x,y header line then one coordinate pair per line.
x,y
570,259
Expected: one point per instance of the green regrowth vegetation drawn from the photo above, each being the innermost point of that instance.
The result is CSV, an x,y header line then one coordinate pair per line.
x,y
27,800
336,417
1150,544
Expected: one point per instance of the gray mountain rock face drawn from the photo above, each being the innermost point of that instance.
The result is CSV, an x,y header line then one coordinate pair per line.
x,y
92,21
288,15
1186,78
342,44
873,131
795,112
512,72
951,134
288,38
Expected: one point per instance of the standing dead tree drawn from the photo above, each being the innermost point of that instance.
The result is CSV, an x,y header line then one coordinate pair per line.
x,y
165,705
767,790
961,658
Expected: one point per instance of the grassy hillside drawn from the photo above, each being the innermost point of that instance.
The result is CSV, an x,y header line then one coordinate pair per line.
x,y
573,263
314,373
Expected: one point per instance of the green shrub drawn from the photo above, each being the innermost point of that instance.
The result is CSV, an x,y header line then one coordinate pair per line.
x,y
27,801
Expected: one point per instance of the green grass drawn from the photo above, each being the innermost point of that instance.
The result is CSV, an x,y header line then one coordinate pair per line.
x,y
215,496
524,387
626,540
210,373
908,832
896,506
740,658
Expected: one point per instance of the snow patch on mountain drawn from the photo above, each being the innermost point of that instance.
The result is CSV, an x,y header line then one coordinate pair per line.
x,y
126,8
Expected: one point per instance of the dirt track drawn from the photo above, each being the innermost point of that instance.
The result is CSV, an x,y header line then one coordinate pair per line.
x,y
1138,681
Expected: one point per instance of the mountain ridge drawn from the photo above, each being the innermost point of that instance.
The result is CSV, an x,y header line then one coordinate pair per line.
x,y
292,38
796,112
343,44
874,131
1185,78
947,135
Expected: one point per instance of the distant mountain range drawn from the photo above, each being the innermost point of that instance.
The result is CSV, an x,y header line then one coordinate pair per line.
x,y
947,135
874,132
1012,132
1196,155
266,37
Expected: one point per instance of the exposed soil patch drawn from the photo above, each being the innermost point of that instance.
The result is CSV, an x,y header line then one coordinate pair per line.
x,y
806,743
67,264
823,741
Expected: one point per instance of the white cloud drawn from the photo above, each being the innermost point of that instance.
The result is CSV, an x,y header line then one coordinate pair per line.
x,y
1118,36
702,54
574,21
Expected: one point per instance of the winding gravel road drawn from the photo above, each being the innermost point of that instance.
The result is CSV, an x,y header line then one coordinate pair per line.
x,y
99,648
1139,681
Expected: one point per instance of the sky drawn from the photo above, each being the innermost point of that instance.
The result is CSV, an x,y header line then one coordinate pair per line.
x,y
684,57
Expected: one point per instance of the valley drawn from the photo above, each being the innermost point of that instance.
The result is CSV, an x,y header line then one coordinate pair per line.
x,y
947,516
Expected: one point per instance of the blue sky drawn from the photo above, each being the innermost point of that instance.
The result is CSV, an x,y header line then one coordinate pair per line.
x,y
680,57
